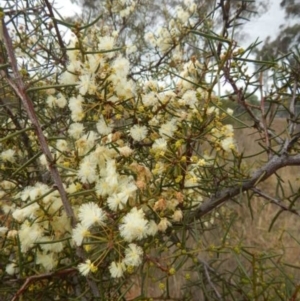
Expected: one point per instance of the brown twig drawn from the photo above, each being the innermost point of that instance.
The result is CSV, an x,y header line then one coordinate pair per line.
x,y
30,279
58,35
260,175
275,201
242,101
294,296
24,136
210,282
18,86
157,263
263,115
292,110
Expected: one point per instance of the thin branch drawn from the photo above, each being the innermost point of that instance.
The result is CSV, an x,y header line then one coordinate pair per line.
x,y
208,268
210,283
33,278
292,110
165,55
24,137
60,40
294,296
18,86
260,175
157,263
242,101
263,114
274,201
25,11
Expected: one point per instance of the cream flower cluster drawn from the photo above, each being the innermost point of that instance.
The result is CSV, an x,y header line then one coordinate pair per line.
x,y
169,36
131,155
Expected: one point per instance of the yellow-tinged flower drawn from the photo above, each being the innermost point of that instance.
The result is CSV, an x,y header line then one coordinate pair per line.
x,y
90,213
160,144
162,286
86,267
163,224
201,162
178,143
177,215
12,268
228,144
8,156
178,179
183,159
134,225
79,233
138,133
133,255
168,129
117,269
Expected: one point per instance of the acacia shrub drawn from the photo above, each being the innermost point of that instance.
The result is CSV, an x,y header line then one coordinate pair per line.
x,y
110,178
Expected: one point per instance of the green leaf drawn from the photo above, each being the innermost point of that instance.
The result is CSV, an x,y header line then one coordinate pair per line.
x,y
211,36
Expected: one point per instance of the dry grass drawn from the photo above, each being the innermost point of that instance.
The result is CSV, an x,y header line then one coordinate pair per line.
x,y
251,227
254,227
252,220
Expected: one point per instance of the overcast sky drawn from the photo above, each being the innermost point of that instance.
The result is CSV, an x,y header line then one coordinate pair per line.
x,y
267,25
